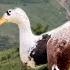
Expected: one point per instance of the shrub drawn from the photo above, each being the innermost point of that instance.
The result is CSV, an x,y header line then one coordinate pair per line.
x,y
3,58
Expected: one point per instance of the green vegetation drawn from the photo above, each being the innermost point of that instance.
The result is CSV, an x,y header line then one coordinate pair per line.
x,y
9,60
39,28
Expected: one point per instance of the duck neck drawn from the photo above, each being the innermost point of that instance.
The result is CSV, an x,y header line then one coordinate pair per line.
x,y
24,26
25,29
26,36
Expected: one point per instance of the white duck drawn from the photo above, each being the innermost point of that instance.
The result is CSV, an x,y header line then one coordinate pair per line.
x,y
32,47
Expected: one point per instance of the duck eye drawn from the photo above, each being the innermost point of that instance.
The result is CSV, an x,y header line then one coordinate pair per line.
x,y
8,13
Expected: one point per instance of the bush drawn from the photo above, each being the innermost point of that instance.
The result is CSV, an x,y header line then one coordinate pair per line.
x,y
3,58
39,29
8,56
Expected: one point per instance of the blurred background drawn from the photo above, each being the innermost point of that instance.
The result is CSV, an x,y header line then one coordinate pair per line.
x,y
44,15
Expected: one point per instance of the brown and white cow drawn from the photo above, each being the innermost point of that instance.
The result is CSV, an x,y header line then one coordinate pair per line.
x,y
58,54
58,48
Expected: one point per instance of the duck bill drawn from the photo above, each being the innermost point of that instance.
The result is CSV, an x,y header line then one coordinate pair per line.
x,y
2,21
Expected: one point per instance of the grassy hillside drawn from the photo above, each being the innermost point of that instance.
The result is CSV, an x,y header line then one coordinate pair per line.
x,y
9,60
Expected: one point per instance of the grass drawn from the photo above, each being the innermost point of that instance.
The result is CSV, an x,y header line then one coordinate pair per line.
x,y
9,60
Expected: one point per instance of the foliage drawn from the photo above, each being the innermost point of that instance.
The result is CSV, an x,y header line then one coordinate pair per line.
x,y
39,29
10,61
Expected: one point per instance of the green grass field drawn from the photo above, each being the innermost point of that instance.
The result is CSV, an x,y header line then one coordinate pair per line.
x,y
9,60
